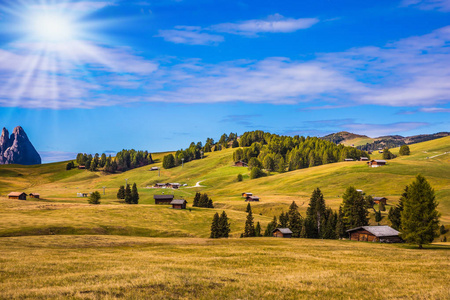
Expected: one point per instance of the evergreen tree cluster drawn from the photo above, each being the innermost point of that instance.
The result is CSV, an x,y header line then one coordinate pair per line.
x,y
94,198
220,227
404,150
292,220
320,221
129,195
124,160
202,200
280,153
354,209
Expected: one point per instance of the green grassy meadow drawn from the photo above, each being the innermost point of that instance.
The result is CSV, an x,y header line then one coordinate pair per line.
x,y
62,247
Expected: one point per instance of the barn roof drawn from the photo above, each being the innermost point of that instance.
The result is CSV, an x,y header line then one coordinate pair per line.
x,y
178,201
248,194
253,197
378,198
16,194
283,230
378,231
379,160
34,194
163,197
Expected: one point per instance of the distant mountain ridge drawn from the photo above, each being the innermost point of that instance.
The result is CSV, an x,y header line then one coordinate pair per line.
x,y
366,143
17,148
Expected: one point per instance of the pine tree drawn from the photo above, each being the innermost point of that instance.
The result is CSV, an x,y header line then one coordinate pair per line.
x,y
134,194
295,220
203,202
128,194
271,227
283,220
215,226
249,229
303,232
340,226
378,216
210,203
354,209
258,229
121,192
224,225
420,219
315,213
196,199
395,213
249,208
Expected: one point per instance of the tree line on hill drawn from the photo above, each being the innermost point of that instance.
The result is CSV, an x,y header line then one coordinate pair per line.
x,y
263,150
196,150
123,161
202,200
416,216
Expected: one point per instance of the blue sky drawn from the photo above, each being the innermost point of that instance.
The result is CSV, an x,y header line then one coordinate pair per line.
x,y
94,76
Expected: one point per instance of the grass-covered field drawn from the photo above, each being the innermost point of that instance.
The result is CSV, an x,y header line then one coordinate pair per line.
x,y
93,267
61,247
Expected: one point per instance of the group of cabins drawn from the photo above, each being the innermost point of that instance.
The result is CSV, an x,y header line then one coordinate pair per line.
x,y
22,195
374,163
167,185
382,234
249,197
169,200
240,164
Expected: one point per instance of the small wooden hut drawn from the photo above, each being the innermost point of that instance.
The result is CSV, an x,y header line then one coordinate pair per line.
x,y
163,199
34,195
159,185
363,158
382,234
240,164
374,163
17,196
245,195
252,198
282,233
178,204
378,200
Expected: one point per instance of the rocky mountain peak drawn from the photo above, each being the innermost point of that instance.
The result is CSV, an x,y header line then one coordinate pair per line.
x,y
17,148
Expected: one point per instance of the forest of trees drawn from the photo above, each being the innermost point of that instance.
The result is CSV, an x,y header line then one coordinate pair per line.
x,y
125,160
196,150
272,152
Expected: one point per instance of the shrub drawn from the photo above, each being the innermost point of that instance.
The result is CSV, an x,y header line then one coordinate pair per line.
x,y
239,177
404,150
256,173
94,198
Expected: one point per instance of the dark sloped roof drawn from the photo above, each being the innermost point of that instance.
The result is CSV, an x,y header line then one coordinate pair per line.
x,y
178,201
16,194
163,197
283,230
378,231
253,197
378,198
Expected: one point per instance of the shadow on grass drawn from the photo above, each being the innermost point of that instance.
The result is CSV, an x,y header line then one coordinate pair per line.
x,y
426,247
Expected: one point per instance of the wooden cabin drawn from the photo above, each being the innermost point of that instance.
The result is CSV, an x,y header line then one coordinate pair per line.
x,y
245,195
82,194
17,196
363,158
376,163
81,167
378,200
282,233
240,164
34,195
252,198
159,185
382,234
348,159
163,199
360,191
173,185
154,169
178,204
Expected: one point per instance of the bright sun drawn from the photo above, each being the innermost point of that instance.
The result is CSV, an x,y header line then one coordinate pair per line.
x,y
51,27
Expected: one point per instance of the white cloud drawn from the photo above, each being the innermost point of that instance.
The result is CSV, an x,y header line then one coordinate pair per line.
x,y
376,130
274,23
190,35
435,110
442,5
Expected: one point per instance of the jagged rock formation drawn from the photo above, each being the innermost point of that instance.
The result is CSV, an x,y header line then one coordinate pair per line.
x,y
17,148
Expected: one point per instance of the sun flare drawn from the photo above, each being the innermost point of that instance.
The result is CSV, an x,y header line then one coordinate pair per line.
x,y
51,28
